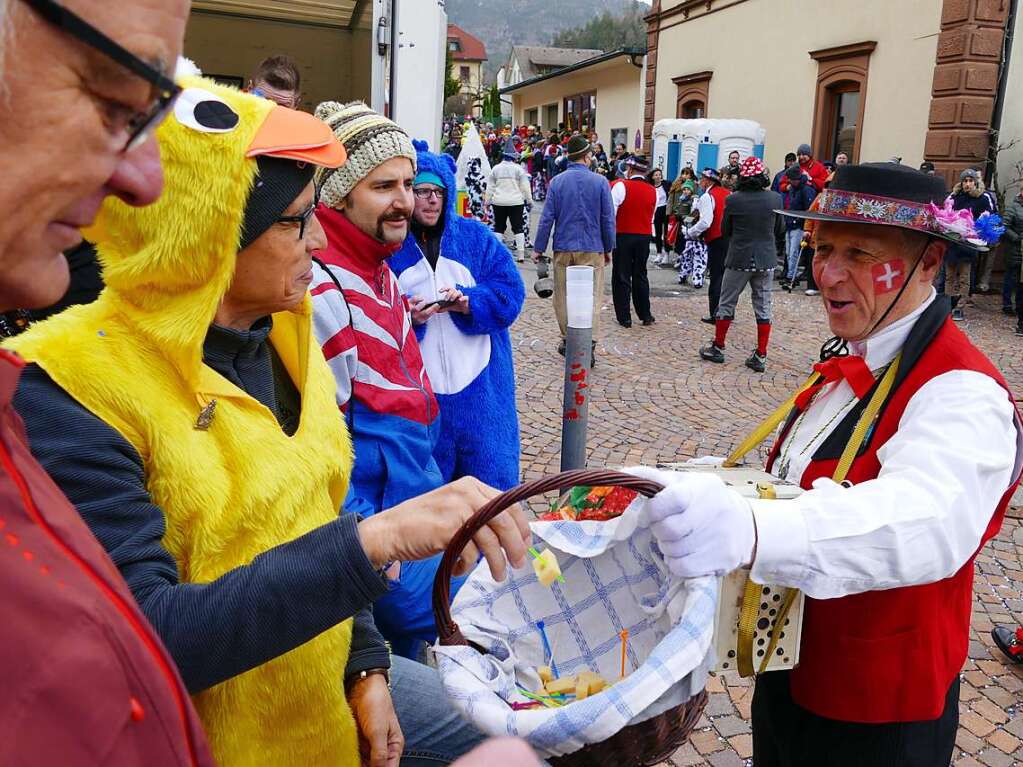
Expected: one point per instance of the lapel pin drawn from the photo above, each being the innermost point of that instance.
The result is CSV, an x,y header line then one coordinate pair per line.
x,y
205,418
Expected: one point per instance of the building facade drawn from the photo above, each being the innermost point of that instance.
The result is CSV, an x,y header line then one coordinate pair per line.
x,y
913,79
467,55
601,94
388,53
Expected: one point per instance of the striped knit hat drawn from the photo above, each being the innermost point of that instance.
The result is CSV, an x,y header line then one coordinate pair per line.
x,y
370,140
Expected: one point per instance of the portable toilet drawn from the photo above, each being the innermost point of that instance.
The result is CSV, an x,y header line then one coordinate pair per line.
x,y
703,143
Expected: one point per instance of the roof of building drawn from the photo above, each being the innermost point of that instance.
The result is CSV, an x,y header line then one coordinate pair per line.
x,y
469,48
634,56
532,58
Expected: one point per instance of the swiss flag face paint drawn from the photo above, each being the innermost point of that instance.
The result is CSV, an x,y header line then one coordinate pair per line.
x,y
889,276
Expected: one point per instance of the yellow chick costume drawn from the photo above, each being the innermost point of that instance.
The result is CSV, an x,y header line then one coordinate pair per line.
x,y
230,482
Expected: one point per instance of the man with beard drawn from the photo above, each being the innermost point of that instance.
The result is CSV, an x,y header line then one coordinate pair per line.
x,y
362,321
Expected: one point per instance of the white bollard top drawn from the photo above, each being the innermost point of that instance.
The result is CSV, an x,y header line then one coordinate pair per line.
x,y
579,296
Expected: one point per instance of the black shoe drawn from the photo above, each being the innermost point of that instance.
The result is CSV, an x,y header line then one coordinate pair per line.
x,y
756,363
707,320
561,347
626,324
957,314
712,353
649,320
1008,310
1019,330
1007,641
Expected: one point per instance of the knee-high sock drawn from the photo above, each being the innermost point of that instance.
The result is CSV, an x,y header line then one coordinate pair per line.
x,y
763,334
520,244
720,331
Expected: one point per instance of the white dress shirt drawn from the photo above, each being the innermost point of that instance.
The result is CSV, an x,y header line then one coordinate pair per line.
x,y
957,450
704,204
618,195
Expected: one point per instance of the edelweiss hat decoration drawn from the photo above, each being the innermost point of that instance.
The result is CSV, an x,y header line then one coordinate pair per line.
x,y
885,194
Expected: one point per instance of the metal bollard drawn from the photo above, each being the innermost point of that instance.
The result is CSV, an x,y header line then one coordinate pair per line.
x,y
578,351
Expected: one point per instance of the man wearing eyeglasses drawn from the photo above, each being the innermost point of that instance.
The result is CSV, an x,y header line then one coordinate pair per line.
x,y
89,680
464,338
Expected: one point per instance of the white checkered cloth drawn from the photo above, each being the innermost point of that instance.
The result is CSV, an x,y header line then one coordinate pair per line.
x,y
615,579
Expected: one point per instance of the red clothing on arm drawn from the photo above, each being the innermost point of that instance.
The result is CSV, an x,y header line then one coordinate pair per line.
x,y
87,681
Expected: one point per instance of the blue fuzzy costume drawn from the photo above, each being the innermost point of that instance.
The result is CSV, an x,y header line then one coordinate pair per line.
x,y
467,356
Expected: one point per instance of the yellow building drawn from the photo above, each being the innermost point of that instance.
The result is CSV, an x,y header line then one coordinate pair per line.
x,y
602,93
877,79
467,54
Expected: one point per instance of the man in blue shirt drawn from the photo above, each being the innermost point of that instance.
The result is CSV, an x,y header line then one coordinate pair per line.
x,y
580,210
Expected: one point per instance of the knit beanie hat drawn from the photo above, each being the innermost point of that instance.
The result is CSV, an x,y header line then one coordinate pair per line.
x,y
279,181
969,173
804,149
370,140
794,173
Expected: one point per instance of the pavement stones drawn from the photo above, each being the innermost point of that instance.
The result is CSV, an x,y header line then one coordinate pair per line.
x,y
653,400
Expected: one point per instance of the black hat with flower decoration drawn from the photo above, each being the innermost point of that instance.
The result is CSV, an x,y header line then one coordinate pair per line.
x,y
885,194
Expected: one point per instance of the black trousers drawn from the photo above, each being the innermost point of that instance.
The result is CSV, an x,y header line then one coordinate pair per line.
x,y
660,227
717,251
505,213
806,256
786,735
628,276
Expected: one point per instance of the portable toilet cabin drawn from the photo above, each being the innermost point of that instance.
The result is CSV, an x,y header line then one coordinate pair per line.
x,y
703,143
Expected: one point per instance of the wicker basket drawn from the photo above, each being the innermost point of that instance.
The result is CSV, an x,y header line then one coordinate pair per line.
x,y
645,743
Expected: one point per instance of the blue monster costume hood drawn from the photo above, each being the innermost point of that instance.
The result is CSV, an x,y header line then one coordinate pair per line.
x,y
443,166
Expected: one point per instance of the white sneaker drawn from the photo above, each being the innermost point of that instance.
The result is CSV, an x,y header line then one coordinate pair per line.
x,y
812,292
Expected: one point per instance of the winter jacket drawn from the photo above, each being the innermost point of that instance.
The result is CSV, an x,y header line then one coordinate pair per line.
x,y
365,332
816,171
978,202
580,211
797,197
508,185
751,226
468,356
1012,219
88,680
192,464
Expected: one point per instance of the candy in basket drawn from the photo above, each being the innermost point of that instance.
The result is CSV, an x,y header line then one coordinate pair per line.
x,y
597,655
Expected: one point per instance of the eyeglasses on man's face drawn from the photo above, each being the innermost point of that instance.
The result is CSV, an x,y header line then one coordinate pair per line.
x,y
426,193
137,126
302,219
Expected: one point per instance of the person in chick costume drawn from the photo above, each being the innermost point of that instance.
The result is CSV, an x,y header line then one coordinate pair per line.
x,y
190,417
908,445
466,347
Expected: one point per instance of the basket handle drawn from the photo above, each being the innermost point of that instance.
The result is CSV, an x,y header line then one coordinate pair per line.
x,y
447,630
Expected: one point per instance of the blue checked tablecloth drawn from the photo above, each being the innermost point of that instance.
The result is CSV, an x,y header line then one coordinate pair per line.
x,y
615,579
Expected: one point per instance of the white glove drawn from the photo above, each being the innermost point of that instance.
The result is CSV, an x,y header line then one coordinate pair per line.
x,y
701,526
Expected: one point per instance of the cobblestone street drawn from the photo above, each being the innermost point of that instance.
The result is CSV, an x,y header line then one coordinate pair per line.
x,y
653,400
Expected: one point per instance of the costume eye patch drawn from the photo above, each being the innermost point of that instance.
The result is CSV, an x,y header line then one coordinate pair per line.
x,y
201,110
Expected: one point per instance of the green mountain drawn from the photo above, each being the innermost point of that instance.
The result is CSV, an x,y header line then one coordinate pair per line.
x,y
526,22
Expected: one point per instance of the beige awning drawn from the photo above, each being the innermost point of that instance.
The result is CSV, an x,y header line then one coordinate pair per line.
x,y
333,13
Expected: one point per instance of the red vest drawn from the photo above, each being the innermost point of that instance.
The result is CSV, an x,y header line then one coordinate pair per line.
x,y
890,656
719,193
636,214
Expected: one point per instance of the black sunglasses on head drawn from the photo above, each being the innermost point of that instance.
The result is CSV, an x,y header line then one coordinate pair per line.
x,y
141,124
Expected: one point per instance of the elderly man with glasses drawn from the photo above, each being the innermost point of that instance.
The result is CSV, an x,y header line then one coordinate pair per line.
x,y
89,680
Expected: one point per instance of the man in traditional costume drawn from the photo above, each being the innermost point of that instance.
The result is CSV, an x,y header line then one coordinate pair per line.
x,y
908,446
